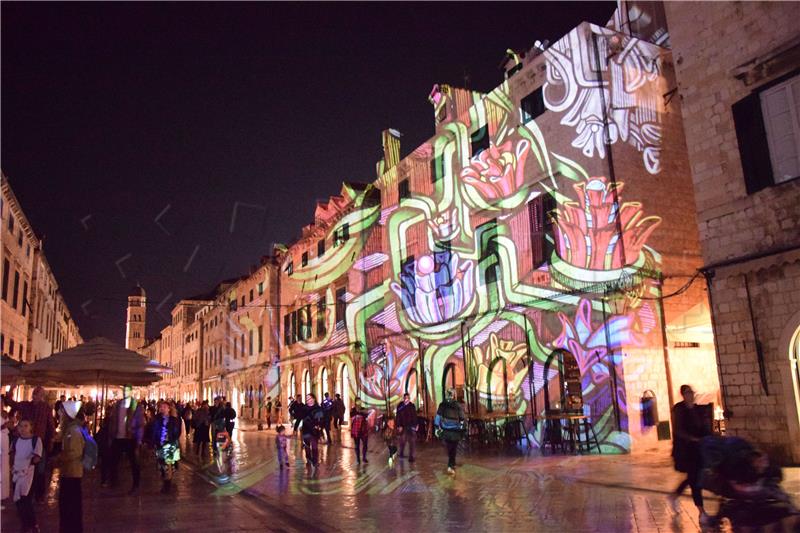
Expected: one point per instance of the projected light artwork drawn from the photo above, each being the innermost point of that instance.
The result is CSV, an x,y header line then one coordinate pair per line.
x,y
469,262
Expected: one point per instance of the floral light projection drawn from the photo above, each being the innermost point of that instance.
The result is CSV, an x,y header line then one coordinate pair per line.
x,y
445,280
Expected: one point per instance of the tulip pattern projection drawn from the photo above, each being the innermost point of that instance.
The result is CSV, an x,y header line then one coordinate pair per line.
x,y
467,284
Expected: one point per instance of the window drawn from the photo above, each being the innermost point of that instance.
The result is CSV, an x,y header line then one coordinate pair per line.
x,y
15,294
341,308
403,189
251,295
541,213
19,237
489,261
767,125
232,305
235,345
260,339
11,224
294,327
321,326
304,259
289,268
320,247
6,268
260,288
437,168
287,329
250,346
242,300
306,322
532,105
479,140
11,347
342,235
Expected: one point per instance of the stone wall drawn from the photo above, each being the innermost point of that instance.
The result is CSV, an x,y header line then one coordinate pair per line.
x,y
756,235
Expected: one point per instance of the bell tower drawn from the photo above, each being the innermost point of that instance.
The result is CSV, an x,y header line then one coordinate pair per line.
x,y
134,330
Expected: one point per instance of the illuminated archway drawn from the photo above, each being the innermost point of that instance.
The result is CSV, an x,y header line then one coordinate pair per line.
x,y
412,386
569,385
322,383
449,373
790,345
343,388
306,390
292,388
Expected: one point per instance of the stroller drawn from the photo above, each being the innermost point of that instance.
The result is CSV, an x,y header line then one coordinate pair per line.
x,y
747,483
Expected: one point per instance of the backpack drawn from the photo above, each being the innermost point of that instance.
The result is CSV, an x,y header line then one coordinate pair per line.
x,y
449,420
90,450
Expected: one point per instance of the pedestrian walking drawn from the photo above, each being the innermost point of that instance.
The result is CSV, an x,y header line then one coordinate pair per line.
x,y
297,411
689,428
200,422
278,411
450,425
41,416
390,438
327,409
230,415
407,425
126,431
269,412
281,443
70,494
165,437
27,451
338,411
359,430
187,418
312,423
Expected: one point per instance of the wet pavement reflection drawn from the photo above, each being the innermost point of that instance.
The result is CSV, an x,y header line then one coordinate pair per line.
x,y
510,490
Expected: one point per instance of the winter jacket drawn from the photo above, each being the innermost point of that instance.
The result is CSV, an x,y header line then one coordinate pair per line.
x,y
359,426
450,420
406,417
313,420
173,430
688,425
71,456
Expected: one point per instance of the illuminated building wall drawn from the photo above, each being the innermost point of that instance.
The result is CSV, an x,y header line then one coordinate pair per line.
x,y
514,232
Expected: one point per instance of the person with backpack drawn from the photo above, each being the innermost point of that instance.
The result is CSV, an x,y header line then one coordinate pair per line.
x,y
165,435
359,430
450,424
72,461
312,423
27,450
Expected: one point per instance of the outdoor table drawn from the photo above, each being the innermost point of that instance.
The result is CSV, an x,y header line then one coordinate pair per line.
x,y
574,423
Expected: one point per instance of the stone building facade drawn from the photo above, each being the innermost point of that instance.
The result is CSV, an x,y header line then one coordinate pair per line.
x,y
547,224
741,107
34,318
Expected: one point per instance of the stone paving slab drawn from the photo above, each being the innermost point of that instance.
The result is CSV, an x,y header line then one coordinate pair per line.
x,y
516,490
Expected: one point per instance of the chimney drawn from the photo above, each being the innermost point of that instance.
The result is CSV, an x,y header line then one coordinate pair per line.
x,y
391,150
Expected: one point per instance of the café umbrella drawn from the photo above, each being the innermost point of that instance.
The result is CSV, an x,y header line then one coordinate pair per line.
x,y
98,362
10,368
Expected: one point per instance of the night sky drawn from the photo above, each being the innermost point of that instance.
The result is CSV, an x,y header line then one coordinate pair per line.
x,y
114,114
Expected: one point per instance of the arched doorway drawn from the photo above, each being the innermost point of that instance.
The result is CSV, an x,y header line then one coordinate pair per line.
x,y
790,344
497,385
292,388
412,386
322,383
570,389
343,388
306,383
448,378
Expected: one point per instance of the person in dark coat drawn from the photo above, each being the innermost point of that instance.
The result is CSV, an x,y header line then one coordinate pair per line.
x,y
406,420
229,414
338,411
327,409
450,425
165,433
689,428
297,410
201,420
312,424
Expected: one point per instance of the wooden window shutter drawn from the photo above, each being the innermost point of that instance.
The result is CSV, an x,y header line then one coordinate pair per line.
x,y
753,147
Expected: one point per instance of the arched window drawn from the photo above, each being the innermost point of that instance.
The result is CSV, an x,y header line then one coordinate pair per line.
x,y
322,383
497,384
292,387
306,383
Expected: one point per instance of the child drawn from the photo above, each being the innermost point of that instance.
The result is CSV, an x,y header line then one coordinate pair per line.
x,y
280,443
390,438
27,452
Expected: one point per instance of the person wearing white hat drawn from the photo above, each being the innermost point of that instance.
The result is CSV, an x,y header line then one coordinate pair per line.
x,y
70,497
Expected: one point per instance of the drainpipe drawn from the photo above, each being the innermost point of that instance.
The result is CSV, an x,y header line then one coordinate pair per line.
x,y
664,342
